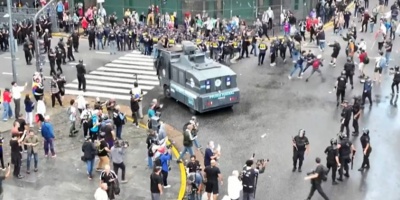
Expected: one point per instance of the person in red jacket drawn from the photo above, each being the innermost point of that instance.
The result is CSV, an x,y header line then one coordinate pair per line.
x,y
85,25
362,63
7,113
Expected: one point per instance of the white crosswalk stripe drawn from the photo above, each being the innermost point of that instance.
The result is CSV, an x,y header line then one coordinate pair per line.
x,y
115,79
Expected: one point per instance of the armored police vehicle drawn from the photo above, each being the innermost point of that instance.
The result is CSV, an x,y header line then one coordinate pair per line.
x,y
187,75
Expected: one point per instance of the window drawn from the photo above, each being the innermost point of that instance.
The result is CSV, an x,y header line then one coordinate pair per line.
x,y
182,78
174,74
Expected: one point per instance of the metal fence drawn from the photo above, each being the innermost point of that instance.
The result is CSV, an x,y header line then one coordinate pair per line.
x,y
21,14
246,9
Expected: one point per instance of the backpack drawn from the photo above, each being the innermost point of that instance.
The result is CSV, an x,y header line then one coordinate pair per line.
x,y
90,123
366,60
315,63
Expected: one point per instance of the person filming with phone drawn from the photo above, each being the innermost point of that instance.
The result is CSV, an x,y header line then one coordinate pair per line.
x,y
16,155
249,177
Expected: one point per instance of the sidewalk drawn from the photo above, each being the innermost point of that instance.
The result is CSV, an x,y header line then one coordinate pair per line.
x,y
68,167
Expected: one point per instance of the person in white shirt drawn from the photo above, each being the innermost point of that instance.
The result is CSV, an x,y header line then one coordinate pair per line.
x,y
16,95
40,111
136,90
101,192
72,113
234,186
80,100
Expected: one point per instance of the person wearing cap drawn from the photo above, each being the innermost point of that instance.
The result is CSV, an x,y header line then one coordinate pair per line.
x,y
81,71
47,131
89,154
317,63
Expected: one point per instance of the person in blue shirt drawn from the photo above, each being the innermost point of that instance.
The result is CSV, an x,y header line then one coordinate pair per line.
x,y
209,154
48,136
367,91
165,158
298,65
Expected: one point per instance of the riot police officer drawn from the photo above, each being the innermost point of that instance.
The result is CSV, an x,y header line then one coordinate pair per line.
x,y
366,150
341,87
356,108
59,57
75,40
349,68
47,40
346,153
27,51
367,90
332,159
346,116
52,61
81,71
92,38
61,46
70,55
300,146
263,48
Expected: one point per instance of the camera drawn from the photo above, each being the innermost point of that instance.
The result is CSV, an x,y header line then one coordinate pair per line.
x,y
260,165
121,143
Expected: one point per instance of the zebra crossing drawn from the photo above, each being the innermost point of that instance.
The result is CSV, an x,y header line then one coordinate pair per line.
x,y
115,79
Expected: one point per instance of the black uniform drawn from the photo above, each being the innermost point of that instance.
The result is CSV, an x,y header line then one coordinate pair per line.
x,y
52,61
349,68
249,176
59,57
27,51
47,41
346,116
91,38
75,41
356,109
299,150
364,142
70,55
61,46
81,71
344,157
341,89
331,154
396,81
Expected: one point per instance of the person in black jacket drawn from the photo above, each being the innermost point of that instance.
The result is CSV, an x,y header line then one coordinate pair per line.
x,y
89,153
349,67
119,120
135,108
81,71
396,80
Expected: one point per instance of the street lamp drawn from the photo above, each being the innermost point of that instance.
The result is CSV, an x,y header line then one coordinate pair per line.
x,y
12,40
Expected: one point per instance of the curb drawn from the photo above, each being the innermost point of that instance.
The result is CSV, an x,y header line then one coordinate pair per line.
x,y
175,151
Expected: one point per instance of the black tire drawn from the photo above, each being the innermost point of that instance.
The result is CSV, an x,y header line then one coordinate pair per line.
x,y
167,92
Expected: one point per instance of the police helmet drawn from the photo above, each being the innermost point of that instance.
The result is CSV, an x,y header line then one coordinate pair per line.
x,y
333,141
348,59
344,72
81,61
61,39
302,132
366,131
56,47
396,68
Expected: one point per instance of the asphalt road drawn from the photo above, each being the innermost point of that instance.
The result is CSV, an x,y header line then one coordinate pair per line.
x,y
93,60
273,108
